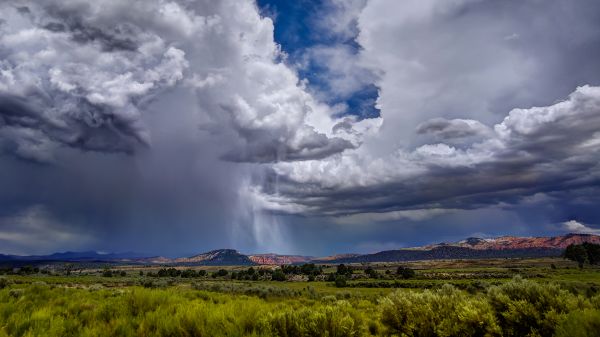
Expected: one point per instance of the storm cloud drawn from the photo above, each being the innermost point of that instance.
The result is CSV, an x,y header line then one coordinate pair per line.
x,y
176,126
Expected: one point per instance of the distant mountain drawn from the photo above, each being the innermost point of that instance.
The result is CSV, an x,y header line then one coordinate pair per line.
x,y
72,256
478,248
275,259
219,257
449,252
470,248
513,242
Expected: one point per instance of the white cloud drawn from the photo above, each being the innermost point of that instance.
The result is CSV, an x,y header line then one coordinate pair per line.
x,y
574,226
121,57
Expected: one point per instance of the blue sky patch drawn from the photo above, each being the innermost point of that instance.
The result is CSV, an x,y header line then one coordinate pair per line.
x,y
297,31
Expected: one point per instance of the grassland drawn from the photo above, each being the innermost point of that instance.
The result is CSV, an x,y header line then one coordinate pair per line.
x,y
516,297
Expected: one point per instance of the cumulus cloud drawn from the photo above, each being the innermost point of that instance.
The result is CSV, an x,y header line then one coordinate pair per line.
x,y
89,97
187,89
574,226
120,57
450,137
531,151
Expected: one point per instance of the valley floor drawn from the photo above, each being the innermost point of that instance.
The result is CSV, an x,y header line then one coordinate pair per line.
x,y
520,297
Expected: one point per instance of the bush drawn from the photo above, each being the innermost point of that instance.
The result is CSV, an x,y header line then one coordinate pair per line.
x,y
4,282
580,323
526,308
342,269
443,312
278,275
576,253
340,281
405,272
336,320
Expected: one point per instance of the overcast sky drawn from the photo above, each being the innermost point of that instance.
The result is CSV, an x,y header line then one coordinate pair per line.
x,y
174,127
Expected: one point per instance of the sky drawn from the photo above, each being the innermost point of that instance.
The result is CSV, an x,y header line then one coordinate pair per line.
x,y
173,127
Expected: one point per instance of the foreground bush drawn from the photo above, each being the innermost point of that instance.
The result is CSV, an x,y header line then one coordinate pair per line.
x,y
444,312
515,308
41,310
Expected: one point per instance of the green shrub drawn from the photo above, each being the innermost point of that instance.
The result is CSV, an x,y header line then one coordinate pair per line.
x,y
405,272
580,323
336,320
4,282
443,312
340,281
527,308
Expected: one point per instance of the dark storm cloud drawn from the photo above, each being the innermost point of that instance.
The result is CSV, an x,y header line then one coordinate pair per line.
x,y
539,150
77,85
93,127
449,73
120,37
445,129
82,83
260,148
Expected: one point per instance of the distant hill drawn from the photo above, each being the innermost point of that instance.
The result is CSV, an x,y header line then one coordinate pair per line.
x,y
449,252
72,256
478,248
219,257
470,248
513,242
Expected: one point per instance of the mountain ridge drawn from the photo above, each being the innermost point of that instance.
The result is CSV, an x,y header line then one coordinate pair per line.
x,y
469,248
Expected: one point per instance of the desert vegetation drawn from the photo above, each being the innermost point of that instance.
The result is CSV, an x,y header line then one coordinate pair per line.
x,y
448,298
518,307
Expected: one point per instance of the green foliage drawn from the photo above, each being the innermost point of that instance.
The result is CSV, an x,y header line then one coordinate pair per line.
x,y
342,269
527,308
340,281
518,307
56,311
580,323
278,275
305,269
4,282
576,253
593,252
337,320
405,272
372,273
443,312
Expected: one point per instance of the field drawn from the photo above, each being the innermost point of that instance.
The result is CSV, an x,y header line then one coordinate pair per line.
x,y
504,297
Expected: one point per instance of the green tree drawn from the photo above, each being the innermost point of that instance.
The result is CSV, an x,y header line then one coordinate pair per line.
x,y
278,275
593,252
405,272
372,273
340,281
342,269
576,253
